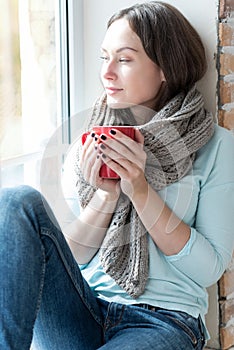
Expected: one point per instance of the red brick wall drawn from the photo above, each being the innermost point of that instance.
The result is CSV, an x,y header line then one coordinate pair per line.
x,y
226,119
226,64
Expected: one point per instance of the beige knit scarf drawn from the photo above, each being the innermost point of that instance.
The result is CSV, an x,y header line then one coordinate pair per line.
x,y
172,137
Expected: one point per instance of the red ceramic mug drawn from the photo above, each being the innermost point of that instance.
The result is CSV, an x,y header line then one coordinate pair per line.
x,y
105,171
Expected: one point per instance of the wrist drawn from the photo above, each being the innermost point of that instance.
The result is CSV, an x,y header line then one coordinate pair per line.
x,y
104,202
140,193
107,196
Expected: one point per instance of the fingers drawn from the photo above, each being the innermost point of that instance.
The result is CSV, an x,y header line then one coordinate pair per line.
x,y
86,147
125,140
131,176
89,162
119,165
120,148
121,153
92,174
124,157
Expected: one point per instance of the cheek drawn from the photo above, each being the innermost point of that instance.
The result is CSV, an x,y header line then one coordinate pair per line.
x,y
152,82
155,86
146,86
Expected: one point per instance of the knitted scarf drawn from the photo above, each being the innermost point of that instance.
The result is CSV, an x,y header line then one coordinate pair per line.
x,y
171,139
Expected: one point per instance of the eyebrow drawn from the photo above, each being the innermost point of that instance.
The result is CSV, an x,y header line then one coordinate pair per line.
x,y
122,49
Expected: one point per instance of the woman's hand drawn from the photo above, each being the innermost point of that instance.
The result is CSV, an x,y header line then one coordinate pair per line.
x,y
127,158
90,164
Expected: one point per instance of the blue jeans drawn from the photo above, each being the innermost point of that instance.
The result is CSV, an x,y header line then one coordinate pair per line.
x,y
45,300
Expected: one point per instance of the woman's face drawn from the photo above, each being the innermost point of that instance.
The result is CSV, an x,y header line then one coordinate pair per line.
x,y
128,75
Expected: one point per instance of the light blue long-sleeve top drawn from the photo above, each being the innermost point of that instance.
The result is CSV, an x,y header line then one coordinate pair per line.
x,y
204,200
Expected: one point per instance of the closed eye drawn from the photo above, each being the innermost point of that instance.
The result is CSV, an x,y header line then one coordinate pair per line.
x,y
124,60
104,58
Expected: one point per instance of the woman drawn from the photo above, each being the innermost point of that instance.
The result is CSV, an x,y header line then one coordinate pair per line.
x,y
148,244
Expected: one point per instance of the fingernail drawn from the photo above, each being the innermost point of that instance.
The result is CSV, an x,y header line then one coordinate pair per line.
x,y
98,156
102,146
96,138
95,147
113,132
93,134
103,137
103,155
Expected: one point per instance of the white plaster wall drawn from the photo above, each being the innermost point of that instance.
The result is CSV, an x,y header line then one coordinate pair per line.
x,y
202,14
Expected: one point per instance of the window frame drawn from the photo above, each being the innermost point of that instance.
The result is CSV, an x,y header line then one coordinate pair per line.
x,y
69,63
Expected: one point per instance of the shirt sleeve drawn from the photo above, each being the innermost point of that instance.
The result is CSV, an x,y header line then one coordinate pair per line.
x,y
209,249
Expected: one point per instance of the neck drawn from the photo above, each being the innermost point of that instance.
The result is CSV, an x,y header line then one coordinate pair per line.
x,y
142,114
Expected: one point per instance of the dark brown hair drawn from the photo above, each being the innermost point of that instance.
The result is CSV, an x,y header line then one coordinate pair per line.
x,y
170,41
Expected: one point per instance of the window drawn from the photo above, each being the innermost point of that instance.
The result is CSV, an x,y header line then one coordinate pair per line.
x,y
31,97
41,87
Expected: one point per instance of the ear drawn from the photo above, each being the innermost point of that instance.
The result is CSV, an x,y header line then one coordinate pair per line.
x,y
162,76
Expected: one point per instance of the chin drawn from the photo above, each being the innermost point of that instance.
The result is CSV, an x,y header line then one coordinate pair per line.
x,y
118,104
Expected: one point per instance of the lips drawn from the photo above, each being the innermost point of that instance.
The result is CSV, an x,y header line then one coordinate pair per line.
x,y
112,90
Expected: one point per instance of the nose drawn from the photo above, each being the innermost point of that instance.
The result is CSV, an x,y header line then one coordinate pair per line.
x,y
108,70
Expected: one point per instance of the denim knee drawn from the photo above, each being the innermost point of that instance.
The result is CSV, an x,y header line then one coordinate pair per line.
x,y
18,196
18,205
